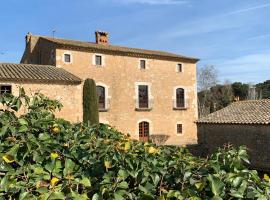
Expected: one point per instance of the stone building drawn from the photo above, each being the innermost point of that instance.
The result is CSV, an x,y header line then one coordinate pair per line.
x,y
241,123
142,92
51,81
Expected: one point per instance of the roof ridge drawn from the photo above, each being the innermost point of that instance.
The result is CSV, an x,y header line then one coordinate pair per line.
x,y
115,48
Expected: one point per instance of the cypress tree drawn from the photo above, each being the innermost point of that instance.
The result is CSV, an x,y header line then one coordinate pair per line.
x,y
90,104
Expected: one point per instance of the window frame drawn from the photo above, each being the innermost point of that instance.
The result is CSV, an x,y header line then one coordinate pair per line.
x,y
176,128
5,85
143,103
64,57
144,63
177,68
106,97
175,107
98,60
179,128
102,60
137,98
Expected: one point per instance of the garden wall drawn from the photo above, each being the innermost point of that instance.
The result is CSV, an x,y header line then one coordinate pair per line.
x,y
255,137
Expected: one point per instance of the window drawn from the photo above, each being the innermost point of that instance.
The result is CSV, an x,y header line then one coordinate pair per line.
x,y
67,58
179,128
180,98
179,67
101,97
143,131
5,89
98,60
143,96
142,64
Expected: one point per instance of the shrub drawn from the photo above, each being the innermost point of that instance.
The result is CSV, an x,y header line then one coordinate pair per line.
x,y
90,105
42,157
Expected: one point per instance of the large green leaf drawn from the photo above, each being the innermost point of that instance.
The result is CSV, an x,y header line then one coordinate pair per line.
x,y
216,185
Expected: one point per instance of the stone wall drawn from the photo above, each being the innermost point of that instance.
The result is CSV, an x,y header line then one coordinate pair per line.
x,y
69,95
255,137
120,74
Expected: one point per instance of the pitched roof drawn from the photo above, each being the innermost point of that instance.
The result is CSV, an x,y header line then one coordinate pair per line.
x,y
36,73
117,49
242,112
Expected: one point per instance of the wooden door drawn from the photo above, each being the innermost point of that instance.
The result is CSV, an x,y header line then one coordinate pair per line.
x,y
144,131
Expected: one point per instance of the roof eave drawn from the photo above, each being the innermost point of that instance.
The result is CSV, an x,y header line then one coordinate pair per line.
x,y
41,81
174,58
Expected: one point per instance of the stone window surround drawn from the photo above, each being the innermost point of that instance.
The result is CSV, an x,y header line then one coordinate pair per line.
x,y
183,129
176,68
102,59
174,98
150,97
107,97
150,126
71,57
146,64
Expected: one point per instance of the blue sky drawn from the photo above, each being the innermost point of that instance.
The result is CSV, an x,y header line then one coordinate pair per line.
x,y
232,35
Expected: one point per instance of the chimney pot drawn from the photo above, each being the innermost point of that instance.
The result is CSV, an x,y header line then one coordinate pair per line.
x,y
102,37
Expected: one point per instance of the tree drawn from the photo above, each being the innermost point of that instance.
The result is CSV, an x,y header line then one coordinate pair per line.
x,y
263,89
207,77
240,90
90,105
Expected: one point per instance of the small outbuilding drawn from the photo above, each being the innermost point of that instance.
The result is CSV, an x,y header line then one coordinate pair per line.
x,y
54,82
241,123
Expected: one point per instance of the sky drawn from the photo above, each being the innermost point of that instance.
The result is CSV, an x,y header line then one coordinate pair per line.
x,y
231,35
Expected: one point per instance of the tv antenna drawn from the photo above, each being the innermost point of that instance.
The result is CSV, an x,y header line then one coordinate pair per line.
x,y
53,32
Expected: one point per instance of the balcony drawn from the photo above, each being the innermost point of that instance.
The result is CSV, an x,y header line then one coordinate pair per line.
x,y
180,104
144,105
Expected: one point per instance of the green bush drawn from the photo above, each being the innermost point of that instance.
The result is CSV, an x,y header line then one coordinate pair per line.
x,y
90,105
42,157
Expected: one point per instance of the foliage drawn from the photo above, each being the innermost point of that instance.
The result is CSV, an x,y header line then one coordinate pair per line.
x,y
90,105
240,90
42,157
216,98
264,89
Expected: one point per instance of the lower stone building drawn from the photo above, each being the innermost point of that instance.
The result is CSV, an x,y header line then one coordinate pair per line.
x,y
56,83
241,123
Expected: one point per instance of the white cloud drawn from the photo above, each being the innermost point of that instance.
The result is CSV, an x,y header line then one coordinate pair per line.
x,y
249,9
152,2
247,68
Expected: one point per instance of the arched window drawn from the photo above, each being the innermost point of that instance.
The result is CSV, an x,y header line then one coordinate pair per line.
x,y
144,131
101,97
180,98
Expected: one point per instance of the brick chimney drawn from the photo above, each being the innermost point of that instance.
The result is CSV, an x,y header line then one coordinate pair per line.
x,y
102,37
28,37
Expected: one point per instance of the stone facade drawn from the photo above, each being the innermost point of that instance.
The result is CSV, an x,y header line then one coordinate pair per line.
x,y
120,75
255,137
68,95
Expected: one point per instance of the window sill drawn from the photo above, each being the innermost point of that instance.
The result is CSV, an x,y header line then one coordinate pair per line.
x,y
103,110
143,109
180,108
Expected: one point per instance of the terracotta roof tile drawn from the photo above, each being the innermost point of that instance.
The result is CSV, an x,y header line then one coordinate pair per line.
x,y
36,73
118,49
242,112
